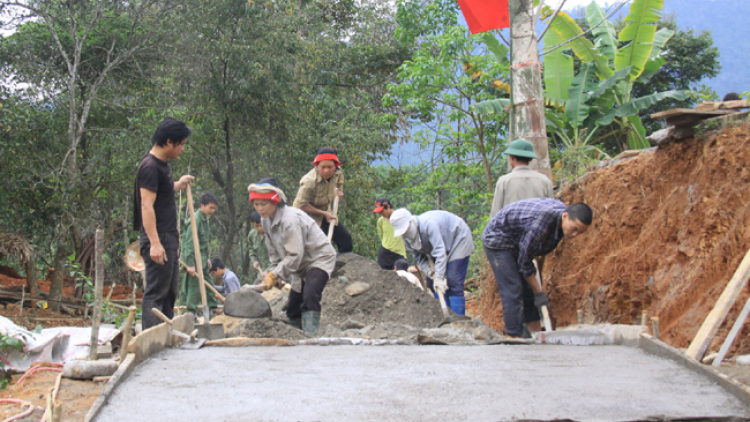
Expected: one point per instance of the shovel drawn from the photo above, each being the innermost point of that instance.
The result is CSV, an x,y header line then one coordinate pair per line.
x,y
446,313
190,341
205,330
336,214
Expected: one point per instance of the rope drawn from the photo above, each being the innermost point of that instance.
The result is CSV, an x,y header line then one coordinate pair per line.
x,y
21,415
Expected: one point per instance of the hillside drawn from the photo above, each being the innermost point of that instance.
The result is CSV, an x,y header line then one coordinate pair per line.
x,y
670,229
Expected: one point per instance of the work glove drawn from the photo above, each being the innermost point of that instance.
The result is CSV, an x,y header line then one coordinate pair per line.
x,y
269,280
540,299
440,284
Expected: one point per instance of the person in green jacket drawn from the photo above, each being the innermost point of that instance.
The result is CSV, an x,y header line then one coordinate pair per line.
x,y
392,253
190,295
257,249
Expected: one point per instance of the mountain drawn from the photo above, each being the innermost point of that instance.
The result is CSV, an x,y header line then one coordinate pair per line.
x,y
729,24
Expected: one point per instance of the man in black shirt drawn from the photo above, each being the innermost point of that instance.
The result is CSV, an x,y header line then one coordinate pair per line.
x,y
155,215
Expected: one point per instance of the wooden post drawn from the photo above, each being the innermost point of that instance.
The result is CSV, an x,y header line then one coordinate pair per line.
x,y
98,282
717,315
126,333
655,327
579,314
736,328
527,117
644,319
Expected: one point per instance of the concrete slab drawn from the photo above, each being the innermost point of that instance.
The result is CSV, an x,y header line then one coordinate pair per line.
x,y
408,383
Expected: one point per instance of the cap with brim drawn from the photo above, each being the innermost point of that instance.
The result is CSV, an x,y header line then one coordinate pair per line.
x,y
380,204
400,220
521,148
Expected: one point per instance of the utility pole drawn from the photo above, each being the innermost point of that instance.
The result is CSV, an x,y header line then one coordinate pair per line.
x,y
527,119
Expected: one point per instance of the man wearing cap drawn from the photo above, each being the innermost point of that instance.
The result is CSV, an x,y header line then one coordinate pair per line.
x,y
317,191
442,240
392,253
522,182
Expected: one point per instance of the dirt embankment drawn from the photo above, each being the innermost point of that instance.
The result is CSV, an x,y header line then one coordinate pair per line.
x,y
670,228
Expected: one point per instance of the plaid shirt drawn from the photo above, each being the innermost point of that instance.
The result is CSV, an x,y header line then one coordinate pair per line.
x,y
532,227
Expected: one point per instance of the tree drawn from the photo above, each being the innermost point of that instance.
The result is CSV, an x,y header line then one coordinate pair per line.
x,y
690,57
67,52
448,73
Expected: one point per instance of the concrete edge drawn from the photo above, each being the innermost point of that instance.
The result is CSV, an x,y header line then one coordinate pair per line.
x,y
651,345
123,371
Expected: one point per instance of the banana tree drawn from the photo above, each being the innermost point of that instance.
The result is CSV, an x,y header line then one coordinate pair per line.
x,y
599,96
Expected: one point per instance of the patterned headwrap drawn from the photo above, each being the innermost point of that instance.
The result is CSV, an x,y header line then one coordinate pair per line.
x,y
266,191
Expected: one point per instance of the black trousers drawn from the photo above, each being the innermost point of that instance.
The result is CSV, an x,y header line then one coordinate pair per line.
x,y
341,237
161,287
388,260
515,292
312,292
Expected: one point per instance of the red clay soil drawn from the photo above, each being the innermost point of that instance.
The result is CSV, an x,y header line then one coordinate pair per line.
x,y
670,229
77,397
120,293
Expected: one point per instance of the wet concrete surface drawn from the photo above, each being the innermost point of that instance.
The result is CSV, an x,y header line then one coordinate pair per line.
x,y
415,383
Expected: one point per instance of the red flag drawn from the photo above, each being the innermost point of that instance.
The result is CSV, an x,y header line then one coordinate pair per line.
x,y
485,15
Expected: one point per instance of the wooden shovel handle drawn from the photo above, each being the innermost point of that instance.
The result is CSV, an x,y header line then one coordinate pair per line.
x,y
205,283
336,214
161,316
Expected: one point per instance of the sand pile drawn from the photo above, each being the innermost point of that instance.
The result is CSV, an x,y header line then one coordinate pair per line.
x,y
670,228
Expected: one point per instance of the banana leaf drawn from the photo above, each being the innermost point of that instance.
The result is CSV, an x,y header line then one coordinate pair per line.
x,y
637,138
656,61
499,50
576,108
608,83
558,70
606,37
639,32
632,107
492,106
568,29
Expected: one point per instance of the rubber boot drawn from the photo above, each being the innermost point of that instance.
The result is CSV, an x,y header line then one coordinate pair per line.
x,y
310,321
457,304
296,323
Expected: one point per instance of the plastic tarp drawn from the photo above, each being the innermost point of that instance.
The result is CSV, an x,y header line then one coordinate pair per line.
x,y
59,344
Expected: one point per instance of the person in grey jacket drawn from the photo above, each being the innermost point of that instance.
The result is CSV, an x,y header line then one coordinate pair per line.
x,y
443,238
299,251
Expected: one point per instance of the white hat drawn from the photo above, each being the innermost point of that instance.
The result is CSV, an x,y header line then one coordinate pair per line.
x,y
400,220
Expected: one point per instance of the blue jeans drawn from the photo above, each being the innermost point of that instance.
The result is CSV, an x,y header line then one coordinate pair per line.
x,y
455,274
515,291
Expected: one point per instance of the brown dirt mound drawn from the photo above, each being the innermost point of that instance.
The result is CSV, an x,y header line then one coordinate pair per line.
x,y
391,309
9,272
670,228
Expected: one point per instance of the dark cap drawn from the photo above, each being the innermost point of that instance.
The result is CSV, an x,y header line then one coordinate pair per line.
x,y
380,203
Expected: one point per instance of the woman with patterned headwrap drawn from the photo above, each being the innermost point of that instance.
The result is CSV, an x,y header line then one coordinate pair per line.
x,y
298,250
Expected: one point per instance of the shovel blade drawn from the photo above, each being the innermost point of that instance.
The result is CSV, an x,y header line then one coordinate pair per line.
x,y
211,331
193,344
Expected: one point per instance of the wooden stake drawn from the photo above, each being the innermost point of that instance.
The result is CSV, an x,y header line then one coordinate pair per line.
x,y
126,333
655,326
579,314
717,315
98,283
736,328
23,298
644,319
